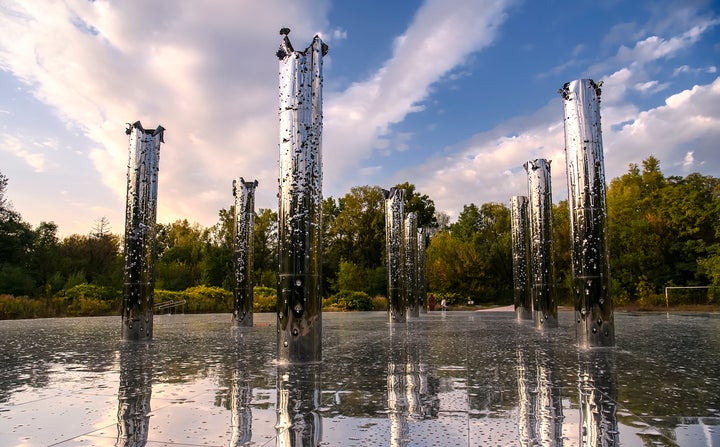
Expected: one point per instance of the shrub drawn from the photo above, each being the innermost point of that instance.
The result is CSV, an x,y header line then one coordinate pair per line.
x,y
14,307
452,299
203,299
88,307
349,300
264,299
86,290
379,303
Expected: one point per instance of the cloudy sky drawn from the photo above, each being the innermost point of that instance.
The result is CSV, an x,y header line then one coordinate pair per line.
x,y
451,95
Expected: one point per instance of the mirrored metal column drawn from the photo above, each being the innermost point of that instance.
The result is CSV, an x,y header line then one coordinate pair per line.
x,y
411,280
588,213
542,287
140,215
299,304
520,238
244,193
422,270
394,248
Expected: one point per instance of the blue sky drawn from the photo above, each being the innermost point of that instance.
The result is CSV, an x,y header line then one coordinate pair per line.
x,y
451,95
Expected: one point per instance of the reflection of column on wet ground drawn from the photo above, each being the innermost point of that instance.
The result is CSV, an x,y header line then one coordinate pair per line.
x,y
244,219
394,222
588,213
410,270
134,394
299,307
411,391
541,252
422,270
527,400
549,403
397,405
240,397
241,393
540,400
520,238
298,399
140,217
597,386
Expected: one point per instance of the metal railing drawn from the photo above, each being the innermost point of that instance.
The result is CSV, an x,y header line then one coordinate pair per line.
x,y
166,305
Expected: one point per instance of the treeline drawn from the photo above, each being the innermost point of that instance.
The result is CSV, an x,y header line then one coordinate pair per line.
x,y
663,231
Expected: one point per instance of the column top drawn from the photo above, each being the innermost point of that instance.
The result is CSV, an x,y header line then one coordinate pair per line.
x,y
136,125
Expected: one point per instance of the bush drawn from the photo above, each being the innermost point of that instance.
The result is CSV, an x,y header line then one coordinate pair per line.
x,y
14,307
452,299
349,300
203,299
86,290
88,307
264,299
379,303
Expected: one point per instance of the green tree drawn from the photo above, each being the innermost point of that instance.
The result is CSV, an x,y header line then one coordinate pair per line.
x,y
420,204
562,242
45,259
358,233
662,231
16,240
265,243
217,265
638,234
180,254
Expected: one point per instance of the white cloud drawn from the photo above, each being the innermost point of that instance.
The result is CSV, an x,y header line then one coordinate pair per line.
x,y
683,134
28,150
655,47
489,167
689,121
439,39
651,86
193,69
186,67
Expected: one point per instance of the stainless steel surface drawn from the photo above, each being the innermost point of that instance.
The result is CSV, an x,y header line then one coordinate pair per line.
x,y
542,275
411,272
422,269
299,310
395,252
588,213
520,246
243,234
140,216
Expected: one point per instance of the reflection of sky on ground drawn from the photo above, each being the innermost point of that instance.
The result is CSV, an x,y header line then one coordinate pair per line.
x,y
464,378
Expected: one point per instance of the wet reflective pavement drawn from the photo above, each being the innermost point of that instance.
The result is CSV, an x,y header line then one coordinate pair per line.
x,y
459,379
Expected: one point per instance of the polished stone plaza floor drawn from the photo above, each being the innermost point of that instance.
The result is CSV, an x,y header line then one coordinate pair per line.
x,y
444,379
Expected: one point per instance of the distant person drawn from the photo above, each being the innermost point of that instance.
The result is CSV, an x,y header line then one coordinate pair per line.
x,y
443,305
431,302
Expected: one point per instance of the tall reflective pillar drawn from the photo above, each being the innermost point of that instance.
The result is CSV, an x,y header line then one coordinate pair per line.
x,y
243,234
520,238
394,248
411,278
299,307
588,214
542,287
140,216
422,270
